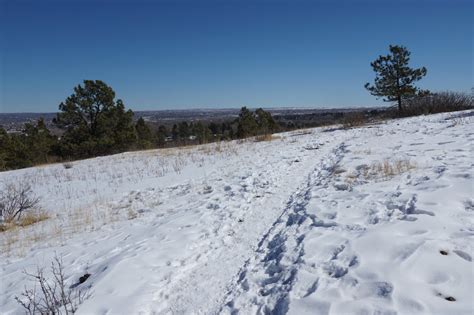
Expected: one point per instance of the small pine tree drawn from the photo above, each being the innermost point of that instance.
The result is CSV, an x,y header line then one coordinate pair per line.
x,y
202,132
122,130
183,131
38,141
161,135
175,132
394,78
4,149
247,125
144,134
266,123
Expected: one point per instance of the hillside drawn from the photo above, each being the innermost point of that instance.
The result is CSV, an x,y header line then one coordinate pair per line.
x,y
376,219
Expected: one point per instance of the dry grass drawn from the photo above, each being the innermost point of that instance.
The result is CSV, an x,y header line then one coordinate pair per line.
x,y
18,240
26,220
116,171
131,214
32,218
266,137
384,170
390,168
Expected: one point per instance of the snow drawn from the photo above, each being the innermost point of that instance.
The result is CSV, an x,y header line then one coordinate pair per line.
x,y
317,221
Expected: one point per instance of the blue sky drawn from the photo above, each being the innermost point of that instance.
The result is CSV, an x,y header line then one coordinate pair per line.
x,y
204,54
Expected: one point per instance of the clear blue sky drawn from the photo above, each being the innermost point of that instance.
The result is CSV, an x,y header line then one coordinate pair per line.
x,y
204,54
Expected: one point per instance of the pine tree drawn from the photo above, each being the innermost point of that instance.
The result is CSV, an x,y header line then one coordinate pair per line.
x,y
161,135
247,125
38,142
122,128
144,134
394,78
202,132
266,123
94,122
183,131
4,149
175,132
13,151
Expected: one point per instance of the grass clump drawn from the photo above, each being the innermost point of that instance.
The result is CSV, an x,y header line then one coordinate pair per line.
x,y
266,137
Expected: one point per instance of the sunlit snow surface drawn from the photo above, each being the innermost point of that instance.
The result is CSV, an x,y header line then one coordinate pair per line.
x,y
309,223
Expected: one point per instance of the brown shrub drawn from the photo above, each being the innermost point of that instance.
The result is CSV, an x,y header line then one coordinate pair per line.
x,y
354,119
437,103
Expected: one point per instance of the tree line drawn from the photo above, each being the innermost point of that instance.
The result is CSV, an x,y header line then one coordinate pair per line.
x,y
94,123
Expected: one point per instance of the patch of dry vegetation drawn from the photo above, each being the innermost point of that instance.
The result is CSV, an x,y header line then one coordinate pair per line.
x,y
380,170
354,119
26,220
36,226
390,168
267,137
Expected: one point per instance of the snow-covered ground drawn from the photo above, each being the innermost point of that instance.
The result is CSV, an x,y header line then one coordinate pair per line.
x,y
372,220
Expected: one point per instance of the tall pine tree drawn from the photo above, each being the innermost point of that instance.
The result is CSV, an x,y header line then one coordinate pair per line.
x,y
394,78
94,122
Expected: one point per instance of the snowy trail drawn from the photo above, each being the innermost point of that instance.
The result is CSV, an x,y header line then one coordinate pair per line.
x,y
324,255
220,257
264,283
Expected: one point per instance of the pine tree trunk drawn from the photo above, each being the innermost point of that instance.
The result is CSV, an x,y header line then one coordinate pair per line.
x,y
400,108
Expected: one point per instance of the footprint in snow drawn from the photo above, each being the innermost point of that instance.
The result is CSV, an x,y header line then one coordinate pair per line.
x,y
460,253
446,297
469,205
207,189
379,289
463,255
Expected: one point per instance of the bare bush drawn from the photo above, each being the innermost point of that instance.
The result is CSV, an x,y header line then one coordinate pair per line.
x,y
15,199
354,119
52,296
437,103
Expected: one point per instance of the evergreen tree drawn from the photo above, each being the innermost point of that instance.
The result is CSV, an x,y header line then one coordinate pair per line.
x,y
215,128
38,142
144,134
94,123
226,130
175,132
4,149
266,123
121,124
183,131
394,78
202,132
161,135
247,125
13,151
